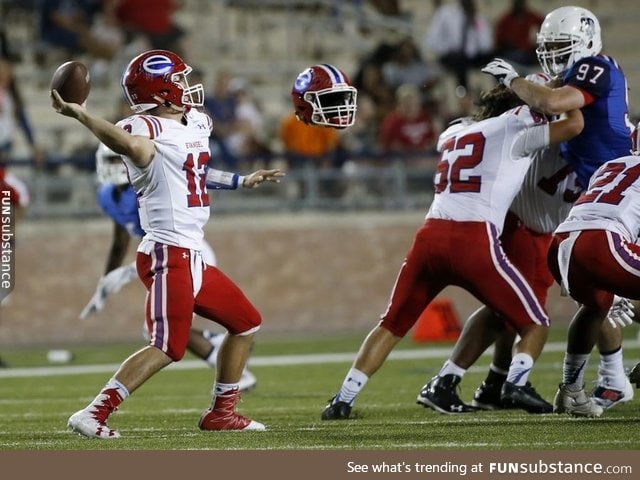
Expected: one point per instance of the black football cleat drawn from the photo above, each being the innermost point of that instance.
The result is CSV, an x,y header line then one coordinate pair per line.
x,y
487,397
440,395
336,411
524,397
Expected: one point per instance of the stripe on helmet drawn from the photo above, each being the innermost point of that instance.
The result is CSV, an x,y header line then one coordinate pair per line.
x,y
335,74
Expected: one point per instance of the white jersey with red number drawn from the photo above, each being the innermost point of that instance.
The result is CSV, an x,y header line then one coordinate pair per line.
x,y
547,192
172,196
483,165
612,201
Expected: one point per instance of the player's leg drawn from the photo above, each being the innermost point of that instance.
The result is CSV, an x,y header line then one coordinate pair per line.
x,y
487,395
220,300
612,386
506,291
165,275
206,344
479,332
527,251
410,295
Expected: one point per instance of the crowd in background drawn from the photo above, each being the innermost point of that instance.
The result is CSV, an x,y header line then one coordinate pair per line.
x,y
408,88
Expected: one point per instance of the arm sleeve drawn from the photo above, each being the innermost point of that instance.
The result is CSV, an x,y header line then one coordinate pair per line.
x,y
531,139
219,180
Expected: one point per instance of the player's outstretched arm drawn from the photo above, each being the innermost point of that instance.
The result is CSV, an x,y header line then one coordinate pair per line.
x,y
569,126
139,149
260,176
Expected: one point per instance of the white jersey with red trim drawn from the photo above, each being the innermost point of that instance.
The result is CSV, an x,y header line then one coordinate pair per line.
x,y
172,196
547,192
612,201
483,165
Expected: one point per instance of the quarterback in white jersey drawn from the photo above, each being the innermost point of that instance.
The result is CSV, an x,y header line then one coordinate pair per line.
x,y
480,171
172,196
166,152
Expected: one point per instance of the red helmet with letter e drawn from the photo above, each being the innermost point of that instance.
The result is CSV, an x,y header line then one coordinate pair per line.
x,y
159,77
323,95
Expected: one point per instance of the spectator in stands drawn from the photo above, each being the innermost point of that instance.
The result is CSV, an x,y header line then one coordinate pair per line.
x,y
409,128
152,19
407,66
460,38
67,25
247,140
515,34
12,108
370,81
221,106
307,146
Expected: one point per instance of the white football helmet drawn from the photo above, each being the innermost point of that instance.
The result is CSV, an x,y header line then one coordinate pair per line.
x,y
109,167
567,35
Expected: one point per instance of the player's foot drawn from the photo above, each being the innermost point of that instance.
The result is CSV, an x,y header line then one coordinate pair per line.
x,y
336,410
440,394
524,397
608,397
634,375
487,397
92,422
575,402
222,415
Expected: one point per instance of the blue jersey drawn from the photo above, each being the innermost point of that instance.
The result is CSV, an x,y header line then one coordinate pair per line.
x,y
121,207
607,132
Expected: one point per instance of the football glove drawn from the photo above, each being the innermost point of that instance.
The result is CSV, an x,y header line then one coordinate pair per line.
x,y
502,70
110,283
621,312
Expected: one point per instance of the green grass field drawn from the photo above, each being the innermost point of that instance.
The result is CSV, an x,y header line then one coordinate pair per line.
x,y
163,414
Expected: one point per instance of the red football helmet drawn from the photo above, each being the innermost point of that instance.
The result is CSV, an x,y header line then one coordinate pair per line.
x,y
156,77
323,95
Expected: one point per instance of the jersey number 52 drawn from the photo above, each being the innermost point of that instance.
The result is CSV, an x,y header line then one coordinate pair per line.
x,y
449,171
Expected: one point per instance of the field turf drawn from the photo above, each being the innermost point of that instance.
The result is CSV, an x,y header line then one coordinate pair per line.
x,y
291,393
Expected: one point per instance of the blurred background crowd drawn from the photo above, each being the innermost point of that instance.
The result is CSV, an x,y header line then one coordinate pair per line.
x,y
415,64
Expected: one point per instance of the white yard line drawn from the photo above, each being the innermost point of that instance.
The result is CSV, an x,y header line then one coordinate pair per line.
x,y
260,361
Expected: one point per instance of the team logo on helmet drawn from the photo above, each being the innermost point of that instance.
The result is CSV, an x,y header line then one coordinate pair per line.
x,y
157,65
588,26
303,81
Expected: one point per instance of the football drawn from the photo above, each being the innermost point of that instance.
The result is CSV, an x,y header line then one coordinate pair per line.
x,y
72,81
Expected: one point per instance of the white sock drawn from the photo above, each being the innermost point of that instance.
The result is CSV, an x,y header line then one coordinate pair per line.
x,y
222,388
573,370
519,370
353,383
450,368
117,386
611,371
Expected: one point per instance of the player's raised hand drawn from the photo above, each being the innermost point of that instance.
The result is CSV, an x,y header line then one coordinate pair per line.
x,y
259,176
502,70
67,109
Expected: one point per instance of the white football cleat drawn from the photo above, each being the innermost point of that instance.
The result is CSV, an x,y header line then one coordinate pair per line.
x,y
85,422
608,397
575,403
